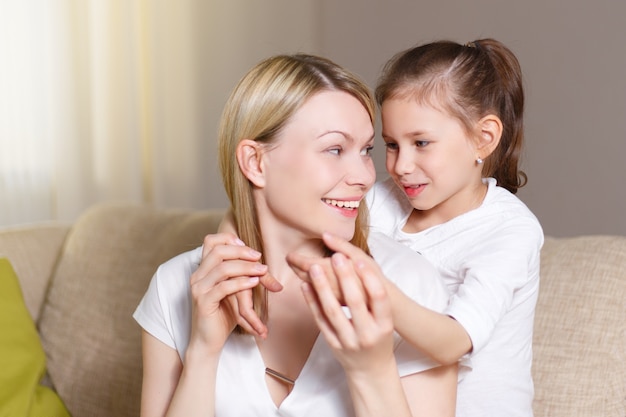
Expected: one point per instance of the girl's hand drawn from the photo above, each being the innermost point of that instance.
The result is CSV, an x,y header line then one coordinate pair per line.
x,y
226,267
241,304
241,301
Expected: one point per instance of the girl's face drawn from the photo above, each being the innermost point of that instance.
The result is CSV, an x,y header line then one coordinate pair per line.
x,y
431,157
319,169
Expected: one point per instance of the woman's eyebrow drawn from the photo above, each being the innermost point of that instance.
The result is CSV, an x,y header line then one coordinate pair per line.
x,y
344,134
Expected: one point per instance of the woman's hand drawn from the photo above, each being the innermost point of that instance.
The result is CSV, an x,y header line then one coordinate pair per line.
x,y
226,267
363,343
301,264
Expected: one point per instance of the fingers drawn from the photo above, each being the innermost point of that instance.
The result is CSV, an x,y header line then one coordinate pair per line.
x,y
223,247
301,265
248,319
337,244
271,283
223,289
364,295
312,296
376,292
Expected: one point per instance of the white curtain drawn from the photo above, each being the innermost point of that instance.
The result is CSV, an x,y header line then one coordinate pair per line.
x,y
104,100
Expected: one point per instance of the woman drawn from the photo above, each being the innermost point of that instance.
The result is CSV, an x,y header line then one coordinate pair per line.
x,y
295,144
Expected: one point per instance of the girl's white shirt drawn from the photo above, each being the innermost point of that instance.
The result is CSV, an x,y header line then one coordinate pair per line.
x,y
321,388
489,259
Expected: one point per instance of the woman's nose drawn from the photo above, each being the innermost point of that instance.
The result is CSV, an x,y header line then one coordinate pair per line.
x,y
362,172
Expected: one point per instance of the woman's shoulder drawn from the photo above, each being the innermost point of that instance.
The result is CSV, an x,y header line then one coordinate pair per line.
x,y
176,271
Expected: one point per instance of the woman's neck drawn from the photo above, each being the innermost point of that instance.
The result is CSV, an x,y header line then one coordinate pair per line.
x,y
275,253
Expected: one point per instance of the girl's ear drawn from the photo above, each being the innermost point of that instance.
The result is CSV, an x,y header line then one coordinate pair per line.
x,y
490,132
249,157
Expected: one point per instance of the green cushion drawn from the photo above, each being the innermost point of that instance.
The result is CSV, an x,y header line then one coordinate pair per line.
x,y
22,359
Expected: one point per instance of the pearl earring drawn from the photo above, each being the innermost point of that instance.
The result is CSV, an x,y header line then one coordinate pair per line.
x,y
479,161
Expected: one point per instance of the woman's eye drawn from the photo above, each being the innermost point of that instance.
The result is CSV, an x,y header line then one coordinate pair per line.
x,y
367,151
421,143
335,151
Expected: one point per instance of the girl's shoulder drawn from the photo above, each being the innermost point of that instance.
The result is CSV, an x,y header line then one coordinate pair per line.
x,y
506,208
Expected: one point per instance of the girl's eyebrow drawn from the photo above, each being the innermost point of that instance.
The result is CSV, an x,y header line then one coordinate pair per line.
x,y
411,134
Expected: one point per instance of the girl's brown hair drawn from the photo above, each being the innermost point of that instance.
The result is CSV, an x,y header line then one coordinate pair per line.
x,y
469,82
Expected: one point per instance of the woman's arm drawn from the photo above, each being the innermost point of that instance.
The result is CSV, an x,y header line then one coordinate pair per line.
x,y
161,371
432,392
171,388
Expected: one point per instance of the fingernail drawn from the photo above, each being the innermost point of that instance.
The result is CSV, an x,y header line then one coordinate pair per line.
x,y
260,267
239,242
337,259
254,280
254,253
315,270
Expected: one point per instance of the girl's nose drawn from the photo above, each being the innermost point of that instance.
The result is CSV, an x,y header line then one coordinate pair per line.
x,y
404,163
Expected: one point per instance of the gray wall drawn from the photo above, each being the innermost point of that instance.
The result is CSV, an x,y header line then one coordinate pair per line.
x,y
573,54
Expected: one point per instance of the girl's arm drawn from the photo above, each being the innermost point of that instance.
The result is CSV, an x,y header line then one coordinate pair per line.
x,y
363,345
439,336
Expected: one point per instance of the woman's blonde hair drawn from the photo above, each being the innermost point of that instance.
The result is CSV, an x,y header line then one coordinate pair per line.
x,y
258,108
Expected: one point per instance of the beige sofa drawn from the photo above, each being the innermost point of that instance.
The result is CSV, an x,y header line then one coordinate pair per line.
x,y
82,282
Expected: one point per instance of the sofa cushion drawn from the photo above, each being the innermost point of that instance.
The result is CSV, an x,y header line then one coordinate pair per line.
x,y
33,251
22,358
92,342
580,328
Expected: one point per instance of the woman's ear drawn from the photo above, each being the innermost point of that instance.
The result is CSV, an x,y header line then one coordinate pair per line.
x,y
490,132
249,158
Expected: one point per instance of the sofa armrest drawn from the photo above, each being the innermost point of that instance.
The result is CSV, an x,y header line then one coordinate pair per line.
x,y
33,252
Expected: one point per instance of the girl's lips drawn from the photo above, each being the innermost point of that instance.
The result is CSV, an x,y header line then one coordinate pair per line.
x,y
413,190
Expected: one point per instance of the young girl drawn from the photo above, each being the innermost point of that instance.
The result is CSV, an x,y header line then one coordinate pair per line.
x,y
453,127
294,150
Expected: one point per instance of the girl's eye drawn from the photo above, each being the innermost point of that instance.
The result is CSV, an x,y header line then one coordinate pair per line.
x,y
421,143
391,146
367,151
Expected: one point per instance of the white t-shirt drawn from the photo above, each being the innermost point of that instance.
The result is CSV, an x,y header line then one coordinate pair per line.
x,y
321,388
489,259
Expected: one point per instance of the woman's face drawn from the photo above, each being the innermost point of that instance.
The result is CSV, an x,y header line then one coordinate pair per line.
x,y
319,169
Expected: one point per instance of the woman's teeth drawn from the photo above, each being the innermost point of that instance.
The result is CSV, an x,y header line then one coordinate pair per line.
x,y
342,204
